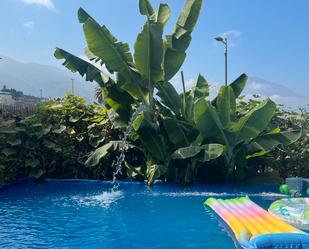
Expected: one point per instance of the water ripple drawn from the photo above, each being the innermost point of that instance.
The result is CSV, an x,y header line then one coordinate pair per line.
x,y
90,215
105,199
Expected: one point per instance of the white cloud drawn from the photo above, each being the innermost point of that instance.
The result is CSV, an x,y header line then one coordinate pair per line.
x,y
231,34
233,37
45,3
28,24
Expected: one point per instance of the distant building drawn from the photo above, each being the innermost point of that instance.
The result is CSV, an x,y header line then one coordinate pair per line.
x,y
6,98
11,96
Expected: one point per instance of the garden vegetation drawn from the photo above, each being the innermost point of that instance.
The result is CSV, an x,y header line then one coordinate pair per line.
x,y
147,127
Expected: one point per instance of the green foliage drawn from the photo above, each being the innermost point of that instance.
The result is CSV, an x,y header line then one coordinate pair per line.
x,y
293,160
57,141
155,60
275,154
176,133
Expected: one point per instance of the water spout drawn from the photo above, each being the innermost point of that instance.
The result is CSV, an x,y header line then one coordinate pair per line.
x,y
124,146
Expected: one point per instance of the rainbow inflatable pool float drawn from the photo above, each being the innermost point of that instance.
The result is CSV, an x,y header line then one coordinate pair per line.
x,y
255,228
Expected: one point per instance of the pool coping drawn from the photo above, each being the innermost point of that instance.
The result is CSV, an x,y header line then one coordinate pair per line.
x,y
21,181
31,180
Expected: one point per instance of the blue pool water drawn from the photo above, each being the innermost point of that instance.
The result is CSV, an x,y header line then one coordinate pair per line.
x,y
88,214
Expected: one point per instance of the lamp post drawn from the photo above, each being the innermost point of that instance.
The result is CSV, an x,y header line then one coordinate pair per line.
x,y
224,41
72,85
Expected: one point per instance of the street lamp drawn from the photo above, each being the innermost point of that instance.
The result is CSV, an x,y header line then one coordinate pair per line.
x,y
224,41
72,86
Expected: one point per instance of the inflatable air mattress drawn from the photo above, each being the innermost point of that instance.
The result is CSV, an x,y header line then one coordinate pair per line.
x,y
255,228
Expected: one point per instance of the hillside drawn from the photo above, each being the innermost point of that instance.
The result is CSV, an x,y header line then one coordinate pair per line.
x,y
56,81
31,77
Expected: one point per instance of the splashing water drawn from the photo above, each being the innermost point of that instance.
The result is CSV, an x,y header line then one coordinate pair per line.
x,y
104,200
124,146
108,197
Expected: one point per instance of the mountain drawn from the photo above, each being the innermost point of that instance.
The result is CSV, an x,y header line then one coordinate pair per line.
x,y
255,85
31,77
279,93
56,81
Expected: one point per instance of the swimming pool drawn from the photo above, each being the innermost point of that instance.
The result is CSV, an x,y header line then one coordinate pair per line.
x,y
88,214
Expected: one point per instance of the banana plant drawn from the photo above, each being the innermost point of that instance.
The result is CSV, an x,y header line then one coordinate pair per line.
x,y
156,58
244,137
202,122
177,133
131,79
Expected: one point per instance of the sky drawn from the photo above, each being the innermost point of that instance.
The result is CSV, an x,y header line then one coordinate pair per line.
x,y
268,38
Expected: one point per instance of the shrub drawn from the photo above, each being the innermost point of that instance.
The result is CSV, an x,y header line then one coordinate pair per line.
x,y
285,161
56,142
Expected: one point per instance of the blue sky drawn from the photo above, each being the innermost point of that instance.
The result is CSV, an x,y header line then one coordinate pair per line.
x,y
269,38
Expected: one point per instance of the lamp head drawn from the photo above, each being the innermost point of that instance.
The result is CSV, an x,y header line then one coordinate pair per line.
x,y
219,39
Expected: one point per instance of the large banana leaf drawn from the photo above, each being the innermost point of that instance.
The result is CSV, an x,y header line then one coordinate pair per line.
x,y
76,64
210,152
143,121
101,152
163,14
265,143
149,136
179,133
154,143
180,39
116,55
114,97
117,98
169,96
173,60
83,16
188,18
226,105
254,122
136,88
205,152
148,54
145,8
199,90
208,121
239,84
179,44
